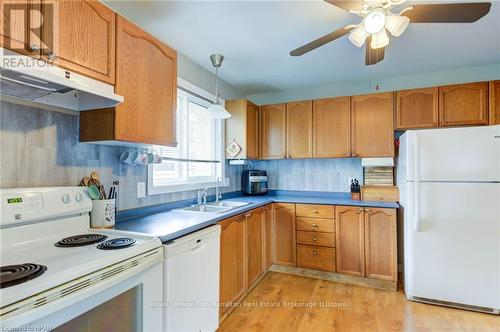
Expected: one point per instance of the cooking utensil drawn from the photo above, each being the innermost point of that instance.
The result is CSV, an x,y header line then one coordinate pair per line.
x,y
94,192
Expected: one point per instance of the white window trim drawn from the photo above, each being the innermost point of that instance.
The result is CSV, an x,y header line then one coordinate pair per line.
x,y
151,190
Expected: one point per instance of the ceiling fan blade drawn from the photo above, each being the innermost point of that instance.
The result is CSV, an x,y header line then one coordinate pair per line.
x,y
373,56
448,12
320,41
347,4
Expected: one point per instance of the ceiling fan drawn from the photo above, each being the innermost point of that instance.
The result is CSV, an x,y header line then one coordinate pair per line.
x,y
377,19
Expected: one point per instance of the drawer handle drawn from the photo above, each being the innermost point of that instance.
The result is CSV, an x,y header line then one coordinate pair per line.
x,y
315,225
315,211
314,238
315,252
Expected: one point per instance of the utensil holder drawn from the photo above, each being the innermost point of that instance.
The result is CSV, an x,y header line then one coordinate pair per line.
x,y
103,213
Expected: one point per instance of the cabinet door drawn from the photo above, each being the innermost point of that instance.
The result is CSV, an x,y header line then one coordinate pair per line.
x,y
494,102
273,131
350,242
463,104
255,245
299,129
372,125
85,40
418,108
146,76
380,243
332,128
269,235
16,18
232,261
252,130
284,233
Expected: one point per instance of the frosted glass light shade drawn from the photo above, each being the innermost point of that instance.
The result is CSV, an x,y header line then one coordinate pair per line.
x,y
217,111
375,21
396,24
358,36
379,40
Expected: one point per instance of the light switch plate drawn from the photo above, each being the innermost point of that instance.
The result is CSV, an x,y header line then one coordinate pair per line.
x,y
141,189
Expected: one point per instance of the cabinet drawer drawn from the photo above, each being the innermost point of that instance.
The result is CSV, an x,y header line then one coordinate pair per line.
x,y
317,258
315,211
316,225
316,239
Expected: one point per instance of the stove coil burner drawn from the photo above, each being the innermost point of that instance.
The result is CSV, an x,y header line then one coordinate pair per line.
x,y
118,243
81,240
12,275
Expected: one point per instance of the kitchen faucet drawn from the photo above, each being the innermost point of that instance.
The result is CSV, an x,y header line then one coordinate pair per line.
x,y
202,196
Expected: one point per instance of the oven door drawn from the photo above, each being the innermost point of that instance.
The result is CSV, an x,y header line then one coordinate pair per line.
x,y
126,296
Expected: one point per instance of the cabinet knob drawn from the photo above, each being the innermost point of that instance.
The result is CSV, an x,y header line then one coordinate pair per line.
x,y
315,211
248,215
367,210
315,252
288,156
354,154
315,225
314,238
34,47
51,55
347,154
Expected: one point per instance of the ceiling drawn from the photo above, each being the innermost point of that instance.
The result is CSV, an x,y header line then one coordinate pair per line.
x,y
257,36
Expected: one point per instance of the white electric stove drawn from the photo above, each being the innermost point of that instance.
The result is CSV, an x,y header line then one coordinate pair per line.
x,y
57,273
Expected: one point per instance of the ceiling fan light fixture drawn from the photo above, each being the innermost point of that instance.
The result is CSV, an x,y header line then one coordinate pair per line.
x,y
396,24
374,21
379,40
358,36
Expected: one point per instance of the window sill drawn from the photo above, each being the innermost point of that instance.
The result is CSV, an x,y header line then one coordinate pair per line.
x,y
175,188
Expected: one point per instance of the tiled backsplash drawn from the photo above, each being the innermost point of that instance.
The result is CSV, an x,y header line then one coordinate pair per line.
x,y
41,148
311,174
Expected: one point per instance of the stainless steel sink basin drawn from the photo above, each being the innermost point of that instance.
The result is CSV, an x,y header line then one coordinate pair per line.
x,y
231,204
205,209
213,207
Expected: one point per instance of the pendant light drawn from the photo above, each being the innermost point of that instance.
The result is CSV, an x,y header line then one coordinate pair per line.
x,y
216,110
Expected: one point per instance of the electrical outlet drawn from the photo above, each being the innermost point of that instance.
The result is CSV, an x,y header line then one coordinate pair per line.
x,y
141,189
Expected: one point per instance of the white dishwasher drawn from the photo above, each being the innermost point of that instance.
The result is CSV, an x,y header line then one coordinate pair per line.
x,y
191,273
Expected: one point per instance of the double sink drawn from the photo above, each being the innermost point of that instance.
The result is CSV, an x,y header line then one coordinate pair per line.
x,y
213,207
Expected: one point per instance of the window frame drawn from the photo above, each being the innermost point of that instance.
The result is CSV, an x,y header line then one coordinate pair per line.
x,y
179,187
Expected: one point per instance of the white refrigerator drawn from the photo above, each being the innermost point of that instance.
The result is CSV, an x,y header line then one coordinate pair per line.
x,y
449,181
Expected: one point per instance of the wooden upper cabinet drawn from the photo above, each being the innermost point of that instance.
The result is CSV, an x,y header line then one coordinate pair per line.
x,y
146,75
243,127
16,19
299,129
232,261
83,38
273,131
284,234
417,108
268,235
463,104
380,243
350,241
255,244
332,128
372,125
494,102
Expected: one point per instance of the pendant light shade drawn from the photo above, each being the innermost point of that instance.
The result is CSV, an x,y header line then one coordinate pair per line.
x,y
216,110
379,40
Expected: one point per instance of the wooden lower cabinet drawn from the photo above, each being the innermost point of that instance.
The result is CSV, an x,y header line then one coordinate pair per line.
x,y
268,235
255,244
284,234
380,243
350,241
232,261
316,257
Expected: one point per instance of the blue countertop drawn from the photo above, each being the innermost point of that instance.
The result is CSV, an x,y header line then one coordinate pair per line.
x,y
169,225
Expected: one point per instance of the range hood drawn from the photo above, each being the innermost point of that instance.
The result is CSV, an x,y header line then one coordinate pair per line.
x,y
21,78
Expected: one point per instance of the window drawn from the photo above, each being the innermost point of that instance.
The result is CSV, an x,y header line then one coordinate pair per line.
x,y
199,138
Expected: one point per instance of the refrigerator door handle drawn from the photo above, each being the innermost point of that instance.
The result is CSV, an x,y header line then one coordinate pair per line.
x,y
416,194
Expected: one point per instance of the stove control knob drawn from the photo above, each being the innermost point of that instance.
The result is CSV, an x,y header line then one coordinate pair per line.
x,y
79,197
66,199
